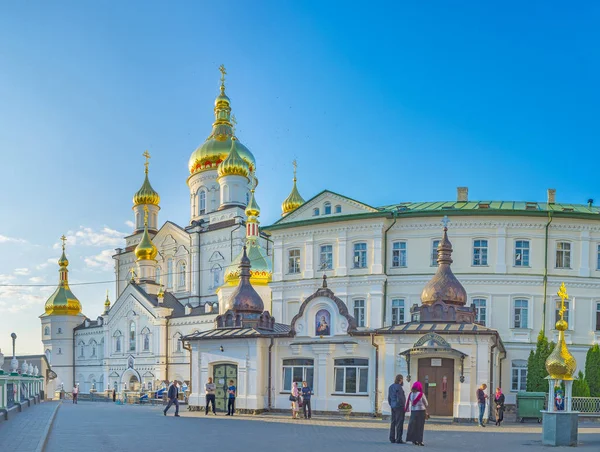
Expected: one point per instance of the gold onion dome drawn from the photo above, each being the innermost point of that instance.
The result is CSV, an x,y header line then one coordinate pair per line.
x,y
561,364
146,194
444,286
252,209
233,165
217,146
63,301
145,249
294,200
107,301
261,271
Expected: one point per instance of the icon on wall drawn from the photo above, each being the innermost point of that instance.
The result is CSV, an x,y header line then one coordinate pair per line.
x,y
323,320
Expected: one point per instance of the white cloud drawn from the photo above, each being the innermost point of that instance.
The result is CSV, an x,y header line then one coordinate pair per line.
x,y
89,237
6,279
102,261
49,261
6,239
14,299
37,279
21,271
130,224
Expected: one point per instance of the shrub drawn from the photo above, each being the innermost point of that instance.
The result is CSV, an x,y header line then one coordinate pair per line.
x,y
536,365
344,406
580,386
592,370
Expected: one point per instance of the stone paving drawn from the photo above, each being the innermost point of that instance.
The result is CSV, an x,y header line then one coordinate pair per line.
x,y
95,427
26,431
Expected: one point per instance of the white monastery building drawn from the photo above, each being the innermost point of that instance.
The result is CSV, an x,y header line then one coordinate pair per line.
x,y
337,292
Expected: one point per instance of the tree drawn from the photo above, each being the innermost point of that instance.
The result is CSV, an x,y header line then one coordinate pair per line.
x,y
536,365
580,386
592,370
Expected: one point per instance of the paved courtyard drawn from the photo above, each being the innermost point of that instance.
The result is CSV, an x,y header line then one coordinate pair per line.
x,y
92,427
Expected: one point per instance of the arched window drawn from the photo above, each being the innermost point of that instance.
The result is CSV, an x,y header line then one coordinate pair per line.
x,y
60,331
216,275
177,338
47,331
181,272
201,201
158,275
93,348
81,351
225,193
170,274
132,336
327,208
146,342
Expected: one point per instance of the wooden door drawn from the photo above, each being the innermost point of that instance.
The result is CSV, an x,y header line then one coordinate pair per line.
x,y
222,374
437,377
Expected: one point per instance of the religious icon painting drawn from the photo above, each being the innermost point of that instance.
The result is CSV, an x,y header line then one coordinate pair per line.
x,y
322,323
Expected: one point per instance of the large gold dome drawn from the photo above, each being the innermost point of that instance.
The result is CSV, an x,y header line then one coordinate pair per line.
x,y
63,301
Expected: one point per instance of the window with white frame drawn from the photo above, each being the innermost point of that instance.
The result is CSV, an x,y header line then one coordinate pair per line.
x,y
351,375
480,311
294,261
316,212
360,255
397,311
181,273
216,271
297,370
359,312
557,312
326,257
81,347
327,208
434,253
480,252
201,202
132,336
170,274
521,313
563,255
598,316
399,254
118,344
338,209
146,342
47,331
93,348
522,253
598,258
519,375
177,340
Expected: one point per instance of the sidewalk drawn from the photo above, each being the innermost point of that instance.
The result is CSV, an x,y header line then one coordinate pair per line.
x,y
27,431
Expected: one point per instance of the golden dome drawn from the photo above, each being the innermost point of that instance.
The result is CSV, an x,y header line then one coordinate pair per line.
x,y
107,301
145,249
560,364
252,209
444,286
261,271
233,165
294,200
63,301
217,146
146,194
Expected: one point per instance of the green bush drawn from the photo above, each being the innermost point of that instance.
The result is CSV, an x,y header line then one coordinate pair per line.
x,y
592,370
580,386
536,365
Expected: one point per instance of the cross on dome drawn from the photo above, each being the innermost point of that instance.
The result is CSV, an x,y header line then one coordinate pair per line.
x,y
147,155
223,73
445,221
64,240
562,293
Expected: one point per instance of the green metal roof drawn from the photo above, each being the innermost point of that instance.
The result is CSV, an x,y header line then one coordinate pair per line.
x,y
485,205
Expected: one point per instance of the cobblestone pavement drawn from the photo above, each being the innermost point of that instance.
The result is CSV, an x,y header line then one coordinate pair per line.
x,y
26,431
92,427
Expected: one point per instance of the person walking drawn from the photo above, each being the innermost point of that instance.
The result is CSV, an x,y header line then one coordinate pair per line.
x,y
210,389
417,403
75,393
231,390
294,399
172,396
114,395
306,393
481,398
499,401
397,400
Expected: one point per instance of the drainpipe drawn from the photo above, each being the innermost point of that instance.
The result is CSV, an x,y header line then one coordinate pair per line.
x,y
167,351
385,248
376,372
269,403
546,273
187,346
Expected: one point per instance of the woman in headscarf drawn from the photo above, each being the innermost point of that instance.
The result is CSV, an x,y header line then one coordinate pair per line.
x,y
417,403
499,401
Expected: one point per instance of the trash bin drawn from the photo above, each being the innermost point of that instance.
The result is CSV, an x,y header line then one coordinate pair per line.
x,y
529,405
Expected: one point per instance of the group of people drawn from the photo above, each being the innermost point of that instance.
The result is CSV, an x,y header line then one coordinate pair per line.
x,y
417,404
300,398
210,390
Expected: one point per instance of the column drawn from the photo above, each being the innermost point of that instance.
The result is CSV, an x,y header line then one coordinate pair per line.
x,y
584,264
278,260
377,262
501,251
309,271
342,258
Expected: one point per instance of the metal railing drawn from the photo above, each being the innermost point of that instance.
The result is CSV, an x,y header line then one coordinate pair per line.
x,y
587,406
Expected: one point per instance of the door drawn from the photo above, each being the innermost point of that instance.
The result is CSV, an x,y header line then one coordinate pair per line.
x,y
222,375
437,377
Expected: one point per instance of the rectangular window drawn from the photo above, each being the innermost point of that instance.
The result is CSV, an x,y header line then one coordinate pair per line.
x,y
597,316
397,311
351,376
557,312
327,209
519,375
598,258
522,253
480,311
563,255
399,254
521,314
326,257
360,255
434,254
480,252
294,261
359,312
297,370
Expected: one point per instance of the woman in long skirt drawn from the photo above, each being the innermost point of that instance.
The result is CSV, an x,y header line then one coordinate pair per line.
x,y
417,403
295,405
499,400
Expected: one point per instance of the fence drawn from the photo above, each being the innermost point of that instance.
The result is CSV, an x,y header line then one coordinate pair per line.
x,y
587,406
18,388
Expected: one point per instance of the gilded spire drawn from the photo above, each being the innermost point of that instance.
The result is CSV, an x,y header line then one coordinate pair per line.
x,y
233,165
161,294
561,364
106,303
145,249
63,301
252,209
146,194
294,200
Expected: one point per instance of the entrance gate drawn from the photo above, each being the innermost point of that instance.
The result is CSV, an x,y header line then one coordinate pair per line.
x,y
437,377
222,374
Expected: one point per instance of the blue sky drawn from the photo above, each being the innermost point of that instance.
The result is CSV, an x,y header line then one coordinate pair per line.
x,y
383,102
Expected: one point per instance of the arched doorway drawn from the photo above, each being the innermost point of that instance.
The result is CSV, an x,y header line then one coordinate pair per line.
x,y
437,377
134,383
222,375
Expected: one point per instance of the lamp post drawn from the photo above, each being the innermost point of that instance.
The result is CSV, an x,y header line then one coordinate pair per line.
x,y
14,364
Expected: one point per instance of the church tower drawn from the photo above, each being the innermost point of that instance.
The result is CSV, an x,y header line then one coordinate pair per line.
x,y
145,253
294,200
62,314
146,197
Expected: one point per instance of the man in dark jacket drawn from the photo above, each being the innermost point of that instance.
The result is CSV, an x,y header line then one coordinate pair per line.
x,y
172,396
397,400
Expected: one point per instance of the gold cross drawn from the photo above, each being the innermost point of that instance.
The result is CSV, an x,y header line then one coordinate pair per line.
x,y
223,73
147,155
132,272
64,239
562,293
295,163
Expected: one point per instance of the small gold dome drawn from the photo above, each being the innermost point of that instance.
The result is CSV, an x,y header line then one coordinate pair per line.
x,y
294,200
252,209
233,165
261,271
146,194
145,250
63,301
107,301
